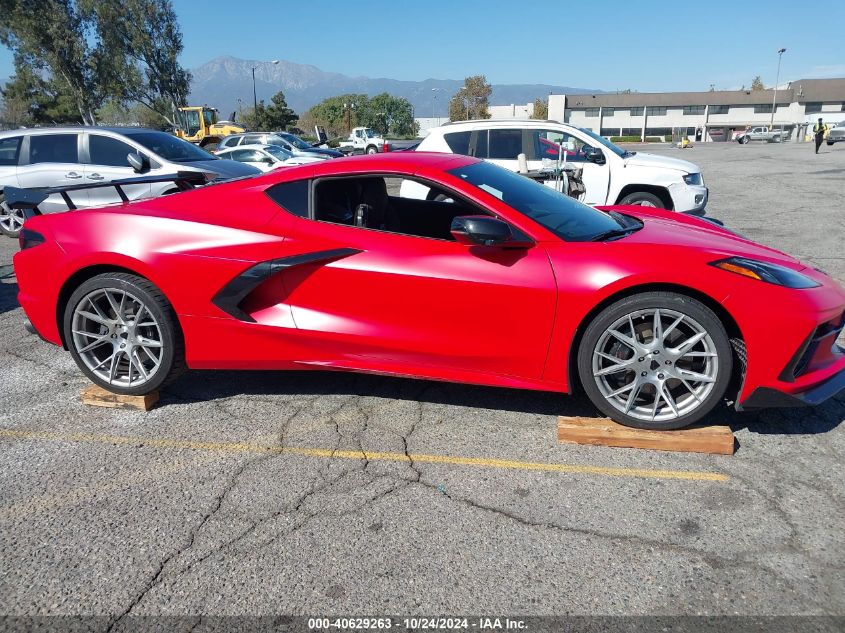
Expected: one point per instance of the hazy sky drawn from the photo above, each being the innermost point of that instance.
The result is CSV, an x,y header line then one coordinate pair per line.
x,y
615,44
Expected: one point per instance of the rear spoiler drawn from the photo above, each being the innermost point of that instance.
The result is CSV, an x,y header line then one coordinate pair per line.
x,y
29,199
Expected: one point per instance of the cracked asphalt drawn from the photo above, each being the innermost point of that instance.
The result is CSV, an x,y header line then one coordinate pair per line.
x,y
181,511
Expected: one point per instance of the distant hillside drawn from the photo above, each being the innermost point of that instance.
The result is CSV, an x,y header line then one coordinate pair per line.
x,y
222,81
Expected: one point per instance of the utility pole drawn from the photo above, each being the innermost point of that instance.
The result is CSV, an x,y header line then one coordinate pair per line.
x,y
781,51
254,93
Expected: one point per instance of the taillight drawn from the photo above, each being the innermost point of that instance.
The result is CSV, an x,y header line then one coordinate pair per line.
x,y
28,238
385,148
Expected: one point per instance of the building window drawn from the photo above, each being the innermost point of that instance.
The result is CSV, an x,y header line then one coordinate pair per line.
x,y
656,111
719,109
810,108
763,108
694,109
607,112
637,111
591,112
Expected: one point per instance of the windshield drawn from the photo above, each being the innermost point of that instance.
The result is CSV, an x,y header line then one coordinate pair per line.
x,y
279,152
621,153
169,147
297,142
564,216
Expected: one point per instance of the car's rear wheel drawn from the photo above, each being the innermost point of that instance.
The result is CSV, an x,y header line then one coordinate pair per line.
x,y
372,149
643,199
656,360
11,220
123,334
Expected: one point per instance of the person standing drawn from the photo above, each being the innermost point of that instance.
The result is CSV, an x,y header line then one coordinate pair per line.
x,y
819,130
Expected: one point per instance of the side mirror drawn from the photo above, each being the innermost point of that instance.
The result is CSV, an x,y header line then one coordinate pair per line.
x,y
594,155
480,230
139,162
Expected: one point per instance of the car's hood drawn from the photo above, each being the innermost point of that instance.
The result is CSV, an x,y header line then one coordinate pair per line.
x,y
330,153
663,228
641,159
224,168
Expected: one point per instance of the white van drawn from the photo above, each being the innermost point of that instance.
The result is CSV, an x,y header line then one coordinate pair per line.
x,y
612,175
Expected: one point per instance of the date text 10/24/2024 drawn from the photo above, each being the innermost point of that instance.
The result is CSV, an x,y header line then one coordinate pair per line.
x,y
417,624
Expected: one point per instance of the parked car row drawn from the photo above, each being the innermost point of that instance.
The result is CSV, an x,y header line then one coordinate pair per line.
x,y
53,157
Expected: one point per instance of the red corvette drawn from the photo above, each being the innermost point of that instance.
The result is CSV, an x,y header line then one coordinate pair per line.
x,y
489,279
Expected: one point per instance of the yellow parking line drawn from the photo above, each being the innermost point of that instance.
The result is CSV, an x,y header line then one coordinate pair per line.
x,y
246,447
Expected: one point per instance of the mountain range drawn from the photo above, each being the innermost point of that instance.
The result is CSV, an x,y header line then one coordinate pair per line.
x,y
226,84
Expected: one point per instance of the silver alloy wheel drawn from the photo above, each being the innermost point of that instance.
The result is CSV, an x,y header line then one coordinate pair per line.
x,y
655,365
11,219
645,203
117,337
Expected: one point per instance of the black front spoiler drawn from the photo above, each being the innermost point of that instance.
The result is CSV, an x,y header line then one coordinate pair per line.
x,y
765,397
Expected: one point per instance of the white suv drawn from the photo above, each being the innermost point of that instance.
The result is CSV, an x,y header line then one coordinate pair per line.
x,y
611,174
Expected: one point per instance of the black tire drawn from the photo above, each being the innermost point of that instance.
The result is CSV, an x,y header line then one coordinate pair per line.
x,y
744,140
830,142
172,362
8,231
677,303
371,149
643,198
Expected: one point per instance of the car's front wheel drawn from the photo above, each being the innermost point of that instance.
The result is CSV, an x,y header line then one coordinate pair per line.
x,y
372,149
11,220
656,360
123,334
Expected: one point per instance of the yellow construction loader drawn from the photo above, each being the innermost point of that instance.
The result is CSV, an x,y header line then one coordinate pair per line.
x,y
199,124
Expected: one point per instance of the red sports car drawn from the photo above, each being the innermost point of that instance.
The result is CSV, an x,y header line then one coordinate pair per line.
x,y
488,278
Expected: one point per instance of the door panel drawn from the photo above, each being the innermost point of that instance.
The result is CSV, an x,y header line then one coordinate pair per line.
x,y
419,301
546,146
52,160
107,162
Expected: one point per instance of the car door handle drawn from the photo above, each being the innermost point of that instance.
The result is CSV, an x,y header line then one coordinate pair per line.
x,y
95,176
73,175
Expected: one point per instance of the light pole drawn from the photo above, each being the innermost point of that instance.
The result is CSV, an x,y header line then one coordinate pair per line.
x,y
349,107
434,92
254,94
781,51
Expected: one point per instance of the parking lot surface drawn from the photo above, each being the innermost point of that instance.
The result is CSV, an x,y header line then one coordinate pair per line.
x,y
327,493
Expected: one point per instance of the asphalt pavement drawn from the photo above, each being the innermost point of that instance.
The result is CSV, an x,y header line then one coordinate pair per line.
x,y
326,493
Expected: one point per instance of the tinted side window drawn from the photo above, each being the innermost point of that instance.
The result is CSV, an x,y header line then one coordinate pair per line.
x,y
480,150
254,139
505,144
9,150
53,148
104,150
458,142
291,196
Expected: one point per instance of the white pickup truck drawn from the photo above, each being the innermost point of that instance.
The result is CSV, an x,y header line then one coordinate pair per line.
x,y
611,174
761,133
362,140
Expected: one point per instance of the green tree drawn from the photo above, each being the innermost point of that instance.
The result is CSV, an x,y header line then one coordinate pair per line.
x,y
278,116
337,114
388,115
757,84
137,57
541,109
472,100
33,100
54,35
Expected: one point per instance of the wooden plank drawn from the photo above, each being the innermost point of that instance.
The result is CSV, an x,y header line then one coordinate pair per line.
x,y
605,432
98,397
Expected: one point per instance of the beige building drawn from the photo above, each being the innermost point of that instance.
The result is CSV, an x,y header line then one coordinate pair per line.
x,y
705,116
